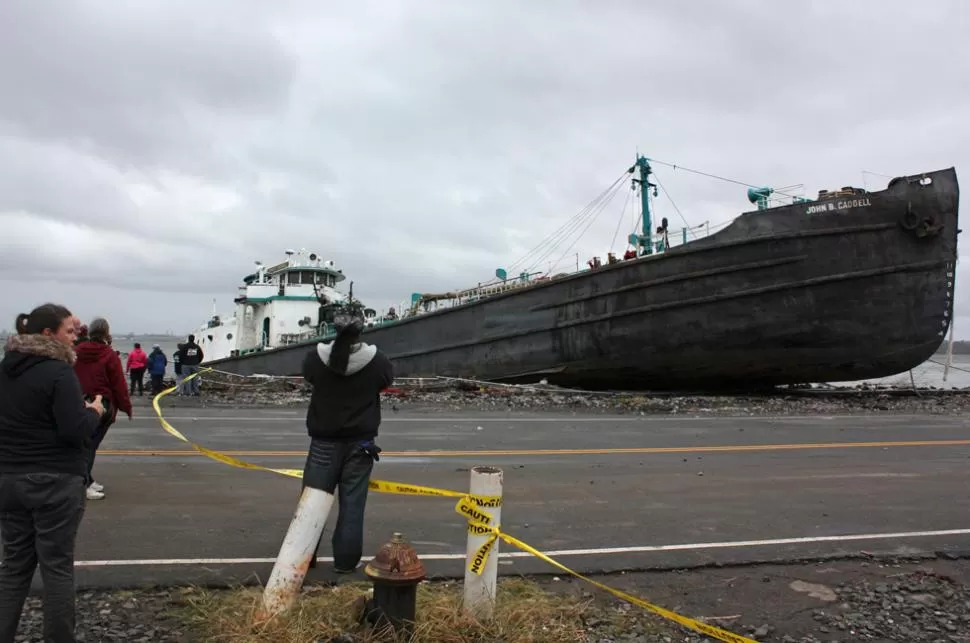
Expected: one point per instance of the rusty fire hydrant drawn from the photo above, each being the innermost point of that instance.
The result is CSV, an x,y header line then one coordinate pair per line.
x,y
395,573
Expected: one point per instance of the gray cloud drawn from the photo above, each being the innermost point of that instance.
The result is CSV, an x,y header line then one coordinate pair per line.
x,y
160,147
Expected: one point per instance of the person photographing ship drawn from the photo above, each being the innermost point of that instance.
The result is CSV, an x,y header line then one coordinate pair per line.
x,y
343,419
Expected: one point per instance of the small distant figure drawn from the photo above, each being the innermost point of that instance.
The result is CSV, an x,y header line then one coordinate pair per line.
x,y
177,367
663,244
190,356
135,367
630,254
156,368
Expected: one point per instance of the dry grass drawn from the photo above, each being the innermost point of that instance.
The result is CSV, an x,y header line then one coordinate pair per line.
x,y
524,614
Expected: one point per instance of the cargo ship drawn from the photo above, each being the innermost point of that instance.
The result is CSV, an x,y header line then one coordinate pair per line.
x,y
851,285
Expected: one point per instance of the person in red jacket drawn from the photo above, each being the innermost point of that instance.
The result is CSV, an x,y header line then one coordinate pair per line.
x,y
137,362
100,372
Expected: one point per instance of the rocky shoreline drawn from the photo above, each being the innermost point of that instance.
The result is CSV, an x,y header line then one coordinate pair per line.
x,y
880,599
233,391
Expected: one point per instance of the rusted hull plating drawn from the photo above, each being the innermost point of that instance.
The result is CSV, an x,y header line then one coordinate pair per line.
x,y
837,290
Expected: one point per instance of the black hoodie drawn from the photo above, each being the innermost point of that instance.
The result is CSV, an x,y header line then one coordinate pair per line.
x,y
44,425
348,406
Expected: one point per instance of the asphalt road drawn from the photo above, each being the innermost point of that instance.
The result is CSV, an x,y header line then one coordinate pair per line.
x,y
652,492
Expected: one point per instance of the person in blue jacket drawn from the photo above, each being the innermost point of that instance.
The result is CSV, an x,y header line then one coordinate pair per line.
x,y
156,368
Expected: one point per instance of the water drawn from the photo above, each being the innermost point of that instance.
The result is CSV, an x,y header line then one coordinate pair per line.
x,y
929,373
168,345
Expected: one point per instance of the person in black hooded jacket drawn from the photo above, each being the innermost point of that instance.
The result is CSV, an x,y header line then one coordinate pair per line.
x,y
343,418
45,430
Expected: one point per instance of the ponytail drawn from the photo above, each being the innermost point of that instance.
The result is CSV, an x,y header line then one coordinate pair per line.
x,y
340,352
44,317
349,328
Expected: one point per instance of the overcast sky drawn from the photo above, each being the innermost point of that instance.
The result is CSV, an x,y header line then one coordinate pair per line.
x,y
151,150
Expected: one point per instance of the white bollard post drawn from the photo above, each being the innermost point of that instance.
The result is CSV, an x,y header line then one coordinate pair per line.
x,y
298,548
479,599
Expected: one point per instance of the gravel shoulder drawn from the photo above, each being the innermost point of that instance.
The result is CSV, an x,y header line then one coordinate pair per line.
x,y
222,390
916,601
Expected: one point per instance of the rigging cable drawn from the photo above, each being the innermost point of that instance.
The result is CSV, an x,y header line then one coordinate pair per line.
x,y
667,194
578,216
594,214
620,222
572,226
956,368
591,222
715,176
638,218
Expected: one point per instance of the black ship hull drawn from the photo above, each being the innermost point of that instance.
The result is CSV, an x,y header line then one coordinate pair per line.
x,y
833,290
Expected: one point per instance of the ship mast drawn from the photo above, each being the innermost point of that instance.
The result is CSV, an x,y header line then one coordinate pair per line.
x,y
643,241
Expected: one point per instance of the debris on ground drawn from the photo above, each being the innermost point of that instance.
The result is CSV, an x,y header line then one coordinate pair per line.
x,y
133,616
222,389
916,607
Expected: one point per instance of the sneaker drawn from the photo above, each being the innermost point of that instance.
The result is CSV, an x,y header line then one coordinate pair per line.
x,y
93,495
97,486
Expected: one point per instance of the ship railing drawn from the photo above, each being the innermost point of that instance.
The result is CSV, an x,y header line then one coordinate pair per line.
x,y
487,291
288,339
674,237
660,243
683,236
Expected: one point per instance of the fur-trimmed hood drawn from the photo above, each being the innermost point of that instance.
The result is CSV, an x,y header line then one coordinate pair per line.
x,y
23,351
361,355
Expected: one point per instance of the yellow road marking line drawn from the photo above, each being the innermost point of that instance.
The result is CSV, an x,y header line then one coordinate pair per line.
x,y
603,451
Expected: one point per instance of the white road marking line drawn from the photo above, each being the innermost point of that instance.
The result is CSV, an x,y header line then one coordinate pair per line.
x,y
582,418
555,554
839,476
384,420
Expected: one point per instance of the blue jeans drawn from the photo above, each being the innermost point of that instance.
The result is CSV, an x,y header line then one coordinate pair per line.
x,y
346,468
194,386
96,440
39,518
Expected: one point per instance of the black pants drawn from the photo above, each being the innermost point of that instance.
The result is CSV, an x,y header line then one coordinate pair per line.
x,y
39,518
346,467
156,384
96,439
137,378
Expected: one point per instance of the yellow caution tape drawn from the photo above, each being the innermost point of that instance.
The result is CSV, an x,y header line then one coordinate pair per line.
x,y
477,564
468,508
472,508
697,626
381,486
215,455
